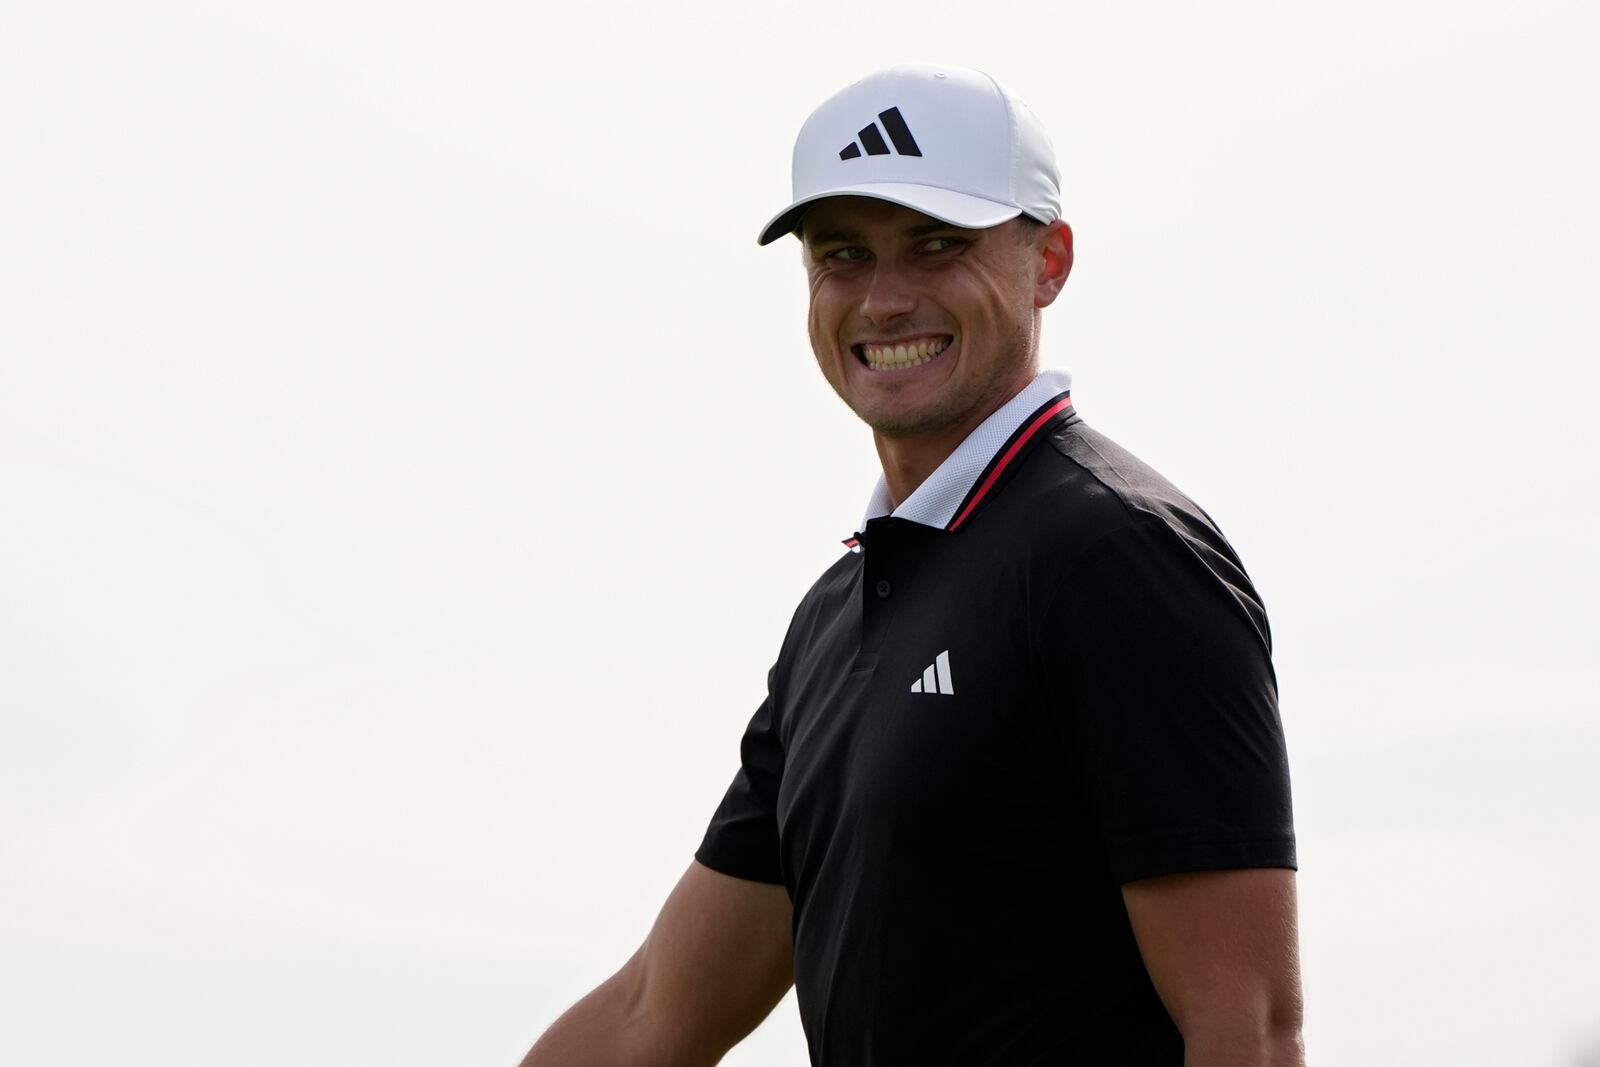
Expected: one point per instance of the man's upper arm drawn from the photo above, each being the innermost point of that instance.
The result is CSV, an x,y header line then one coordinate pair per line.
x,y
1170,712
1222,949
721,953
717,961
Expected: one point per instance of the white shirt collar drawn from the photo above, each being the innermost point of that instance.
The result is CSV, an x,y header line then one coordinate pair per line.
x,y
934,502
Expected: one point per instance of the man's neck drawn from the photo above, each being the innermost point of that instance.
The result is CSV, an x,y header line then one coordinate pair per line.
x,y
909,459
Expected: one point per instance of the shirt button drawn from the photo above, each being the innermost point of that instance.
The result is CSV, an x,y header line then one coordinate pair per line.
x,y
884,589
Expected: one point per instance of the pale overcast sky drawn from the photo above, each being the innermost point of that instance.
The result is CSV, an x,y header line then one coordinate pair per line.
x,y
409,463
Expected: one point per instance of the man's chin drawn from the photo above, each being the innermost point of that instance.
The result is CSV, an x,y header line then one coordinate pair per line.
x,y
910,423
941,414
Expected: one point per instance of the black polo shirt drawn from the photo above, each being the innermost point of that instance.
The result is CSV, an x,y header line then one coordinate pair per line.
x,y
978,729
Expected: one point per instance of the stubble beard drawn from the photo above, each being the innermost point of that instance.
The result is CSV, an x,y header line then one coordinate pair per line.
x,y
951,412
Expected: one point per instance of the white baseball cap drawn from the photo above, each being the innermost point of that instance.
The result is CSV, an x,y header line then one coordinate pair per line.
x,y
946,141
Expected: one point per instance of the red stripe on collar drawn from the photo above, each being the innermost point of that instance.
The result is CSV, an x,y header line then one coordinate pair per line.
x,y
1005,459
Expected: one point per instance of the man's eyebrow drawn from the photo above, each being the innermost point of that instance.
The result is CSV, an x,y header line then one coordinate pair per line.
x,y
823,237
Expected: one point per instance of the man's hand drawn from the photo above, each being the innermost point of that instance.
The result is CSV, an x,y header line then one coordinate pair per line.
x,y
717,961
1222,948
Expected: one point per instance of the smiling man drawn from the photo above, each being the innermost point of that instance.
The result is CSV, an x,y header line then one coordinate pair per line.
x,y
924,328
1018,792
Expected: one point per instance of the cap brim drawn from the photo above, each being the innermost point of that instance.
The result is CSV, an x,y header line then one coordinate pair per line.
x,y
958,209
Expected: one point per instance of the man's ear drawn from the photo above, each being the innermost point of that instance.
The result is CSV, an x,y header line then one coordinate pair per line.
x,y
1055,263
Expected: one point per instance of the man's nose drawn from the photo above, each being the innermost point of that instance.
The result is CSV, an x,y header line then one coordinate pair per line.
x,y
888,295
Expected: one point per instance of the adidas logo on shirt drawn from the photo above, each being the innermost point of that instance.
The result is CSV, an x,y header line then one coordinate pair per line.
x,y
936,677
872,139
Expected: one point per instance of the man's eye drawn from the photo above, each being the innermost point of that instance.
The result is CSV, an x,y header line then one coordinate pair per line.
x,y
849,255
941,244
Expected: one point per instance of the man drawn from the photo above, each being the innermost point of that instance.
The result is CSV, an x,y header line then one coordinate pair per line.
x,y
1018,793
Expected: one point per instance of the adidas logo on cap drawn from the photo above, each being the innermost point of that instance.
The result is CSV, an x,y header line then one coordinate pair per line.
x,y
899,133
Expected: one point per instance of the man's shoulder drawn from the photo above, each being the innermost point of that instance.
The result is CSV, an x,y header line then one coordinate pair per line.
x,y
1079,485
1085,492
1080,488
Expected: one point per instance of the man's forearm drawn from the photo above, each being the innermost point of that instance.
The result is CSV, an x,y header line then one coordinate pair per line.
x,y
1252,1047
598,1031
616,1026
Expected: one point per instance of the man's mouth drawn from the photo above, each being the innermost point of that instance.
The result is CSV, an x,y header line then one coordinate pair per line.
x,y
898,355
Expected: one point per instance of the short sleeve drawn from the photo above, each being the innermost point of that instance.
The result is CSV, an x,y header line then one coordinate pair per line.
x,y
742,839
1167,703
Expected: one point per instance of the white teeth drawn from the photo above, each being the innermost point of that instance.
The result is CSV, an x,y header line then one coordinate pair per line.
x,y
897,357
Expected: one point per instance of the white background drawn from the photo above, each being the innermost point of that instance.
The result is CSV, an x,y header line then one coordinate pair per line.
x,y
409,463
